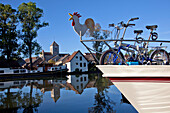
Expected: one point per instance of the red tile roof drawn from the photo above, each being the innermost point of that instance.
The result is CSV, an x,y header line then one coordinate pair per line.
x,y
72,56
89,56
28,60
64,57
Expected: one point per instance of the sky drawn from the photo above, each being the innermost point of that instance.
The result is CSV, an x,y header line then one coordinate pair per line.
x,y
104,12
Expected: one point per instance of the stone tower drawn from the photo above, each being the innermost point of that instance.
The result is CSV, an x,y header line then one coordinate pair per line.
x,y
54,49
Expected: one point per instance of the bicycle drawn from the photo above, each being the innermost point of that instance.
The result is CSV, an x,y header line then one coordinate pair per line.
x,y
136,53
114,55
159,54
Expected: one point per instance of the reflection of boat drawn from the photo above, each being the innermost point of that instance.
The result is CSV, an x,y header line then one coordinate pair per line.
x,y
135,70
147,95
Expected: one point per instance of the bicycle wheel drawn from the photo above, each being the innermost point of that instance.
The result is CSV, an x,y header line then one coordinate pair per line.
x,y
161,57
110,58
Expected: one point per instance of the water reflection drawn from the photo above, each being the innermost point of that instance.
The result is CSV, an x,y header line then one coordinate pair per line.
x,y
13,98
77,83
103,103
92,93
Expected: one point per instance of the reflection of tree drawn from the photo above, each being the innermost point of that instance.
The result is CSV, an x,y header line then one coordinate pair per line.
x,y
31,103
103,103
10,102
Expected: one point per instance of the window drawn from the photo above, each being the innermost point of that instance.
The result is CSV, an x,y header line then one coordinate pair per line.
x,y
22,71
16,82
1,71
80,64
77,80
76,63
81,85
76,57
80,58
77,87
81,79
1,84
84,64
76,70
23,82
16,71
84,78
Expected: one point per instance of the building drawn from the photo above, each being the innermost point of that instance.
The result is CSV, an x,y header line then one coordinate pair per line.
x,y
77,62
47,59
89,57
53,54
35,62
62,60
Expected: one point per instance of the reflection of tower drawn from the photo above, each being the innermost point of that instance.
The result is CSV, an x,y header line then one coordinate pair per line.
x,y
55,93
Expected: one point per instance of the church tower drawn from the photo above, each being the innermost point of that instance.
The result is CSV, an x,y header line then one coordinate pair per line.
x,y
54,49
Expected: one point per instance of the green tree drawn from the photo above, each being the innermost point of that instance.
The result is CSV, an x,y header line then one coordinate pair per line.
x,y
29,16
8,33
98,34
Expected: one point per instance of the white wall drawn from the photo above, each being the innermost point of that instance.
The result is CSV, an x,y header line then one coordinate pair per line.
x,y
57,68
11,71
76,60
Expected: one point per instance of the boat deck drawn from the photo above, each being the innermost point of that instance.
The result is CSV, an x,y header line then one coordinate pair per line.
x,y
135,70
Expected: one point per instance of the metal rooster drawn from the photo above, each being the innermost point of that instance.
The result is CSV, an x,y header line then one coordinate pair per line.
x,y
81,29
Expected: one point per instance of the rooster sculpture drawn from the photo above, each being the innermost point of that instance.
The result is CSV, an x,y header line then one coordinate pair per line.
x,y
79,28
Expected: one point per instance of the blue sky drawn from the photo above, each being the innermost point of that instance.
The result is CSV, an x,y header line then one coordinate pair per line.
x,y
104,12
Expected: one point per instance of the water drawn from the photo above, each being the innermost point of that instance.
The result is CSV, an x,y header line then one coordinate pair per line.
x,y
70,94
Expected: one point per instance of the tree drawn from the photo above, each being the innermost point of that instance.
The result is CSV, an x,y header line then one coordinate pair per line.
x,y
8,33
98,34
29,16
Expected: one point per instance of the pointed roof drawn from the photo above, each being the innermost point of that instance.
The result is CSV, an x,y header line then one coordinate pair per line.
x,y
72,56
54,44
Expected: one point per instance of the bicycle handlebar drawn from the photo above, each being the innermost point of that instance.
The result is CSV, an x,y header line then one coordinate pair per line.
x,y
132,19
131,25
127,25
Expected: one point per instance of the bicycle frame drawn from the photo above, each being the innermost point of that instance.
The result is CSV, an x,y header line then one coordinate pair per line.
x,y
119,40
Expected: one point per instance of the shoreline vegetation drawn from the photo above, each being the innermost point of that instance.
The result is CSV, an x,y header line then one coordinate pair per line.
x,y
19,30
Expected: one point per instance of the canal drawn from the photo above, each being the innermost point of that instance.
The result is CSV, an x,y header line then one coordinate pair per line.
x,y
86,93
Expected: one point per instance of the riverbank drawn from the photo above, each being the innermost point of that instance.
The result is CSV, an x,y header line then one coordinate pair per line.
x,y
50,74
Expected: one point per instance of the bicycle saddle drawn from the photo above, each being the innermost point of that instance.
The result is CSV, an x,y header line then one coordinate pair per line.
x,y
151,27
138,31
